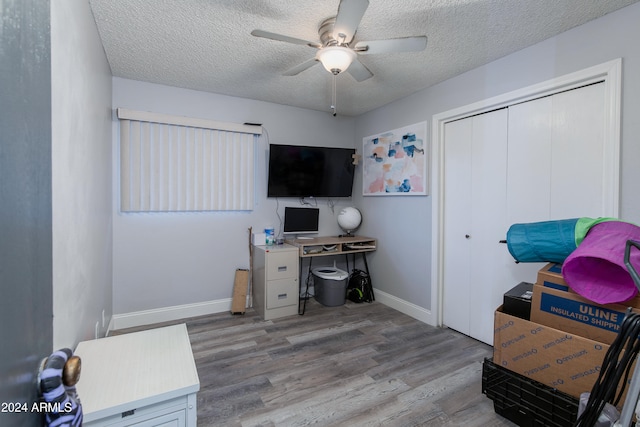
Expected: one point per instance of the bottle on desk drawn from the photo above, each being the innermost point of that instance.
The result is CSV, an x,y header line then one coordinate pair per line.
x,y
270,236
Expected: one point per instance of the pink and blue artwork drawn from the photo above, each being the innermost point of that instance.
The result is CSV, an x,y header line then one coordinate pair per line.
x,y
395,162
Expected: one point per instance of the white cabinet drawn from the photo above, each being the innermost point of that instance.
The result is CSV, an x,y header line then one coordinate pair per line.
x,y
146,378
275,281
172,413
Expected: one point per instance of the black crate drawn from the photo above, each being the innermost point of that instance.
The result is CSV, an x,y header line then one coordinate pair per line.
x,y
526,402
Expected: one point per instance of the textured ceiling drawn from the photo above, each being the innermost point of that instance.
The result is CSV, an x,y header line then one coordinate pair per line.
x,y
207,45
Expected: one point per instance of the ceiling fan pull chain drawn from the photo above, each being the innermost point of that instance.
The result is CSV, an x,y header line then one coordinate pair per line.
x,y
333,95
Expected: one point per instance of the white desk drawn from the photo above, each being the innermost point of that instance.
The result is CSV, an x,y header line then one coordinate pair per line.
x,y
144,378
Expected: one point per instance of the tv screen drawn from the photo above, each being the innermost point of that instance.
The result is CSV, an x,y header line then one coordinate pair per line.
x,y
300,220
301,171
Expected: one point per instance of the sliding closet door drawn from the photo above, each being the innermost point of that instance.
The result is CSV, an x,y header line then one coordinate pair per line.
x,y
457,211
556,156
536,161
475,186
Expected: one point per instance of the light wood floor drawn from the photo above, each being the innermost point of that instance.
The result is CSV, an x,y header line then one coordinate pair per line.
x,y
354,365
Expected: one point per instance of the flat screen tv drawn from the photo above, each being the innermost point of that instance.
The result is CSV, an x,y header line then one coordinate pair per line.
x,y
301,171
301,220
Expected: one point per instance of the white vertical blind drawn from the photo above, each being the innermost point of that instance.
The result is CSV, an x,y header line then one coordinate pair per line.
x,y
167,167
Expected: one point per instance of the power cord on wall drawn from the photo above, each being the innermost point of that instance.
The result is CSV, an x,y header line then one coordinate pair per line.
x,y
304,202
265,134
280,221
332,204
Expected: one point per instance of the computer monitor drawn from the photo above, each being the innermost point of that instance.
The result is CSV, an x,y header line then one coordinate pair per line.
x,y
301,220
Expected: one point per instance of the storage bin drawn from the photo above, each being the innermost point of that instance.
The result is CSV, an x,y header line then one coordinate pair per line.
x,y
330,285
524,401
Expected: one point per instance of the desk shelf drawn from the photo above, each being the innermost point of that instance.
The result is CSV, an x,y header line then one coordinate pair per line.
x,y
343,245
319,246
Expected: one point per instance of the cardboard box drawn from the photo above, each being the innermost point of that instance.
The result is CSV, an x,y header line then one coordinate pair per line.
x,y
567,362
550,276
575,314
555,304
258,239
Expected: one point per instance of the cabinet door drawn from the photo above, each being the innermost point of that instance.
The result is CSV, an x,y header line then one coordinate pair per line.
x,y
282,264
282,293
158,415
173,419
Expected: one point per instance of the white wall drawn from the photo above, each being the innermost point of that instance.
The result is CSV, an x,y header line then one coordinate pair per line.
x,y
175,259
401,267
81,175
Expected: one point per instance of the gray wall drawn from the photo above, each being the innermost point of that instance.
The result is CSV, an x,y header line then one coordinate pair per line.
x,y
81,175
166,260
55,188
25,202
401,266
172,259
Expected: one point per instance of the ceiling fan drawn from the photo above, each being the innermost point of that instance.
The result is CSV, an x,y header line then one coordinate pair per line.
x,y
336,50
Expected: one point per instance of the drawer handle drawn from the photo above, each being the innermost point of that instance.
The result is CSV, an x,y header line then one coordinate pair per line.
x,y
282,296
282,268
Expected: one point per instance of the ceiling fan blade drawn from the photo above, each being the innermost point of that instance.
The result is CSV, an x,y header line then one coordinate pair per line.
x,y
403,44
300,68
358,71
280,37
350,14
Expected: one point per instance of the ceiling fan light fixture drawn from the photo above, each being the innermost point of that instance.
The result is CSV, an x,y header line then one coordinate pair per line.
x,y
336,59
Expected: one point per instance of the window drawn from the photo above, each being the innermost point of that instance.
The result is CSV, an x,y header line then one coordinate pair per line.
x,y
178,164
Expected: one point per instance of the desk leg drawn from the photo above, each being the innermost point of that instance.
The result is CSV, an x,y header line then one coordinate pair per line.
x,y
366,267
306,291
300,285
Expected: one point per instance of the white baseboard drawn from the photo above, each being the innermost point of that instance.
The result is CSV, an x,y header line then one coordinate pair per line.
x,y
417,312
167,314
177,312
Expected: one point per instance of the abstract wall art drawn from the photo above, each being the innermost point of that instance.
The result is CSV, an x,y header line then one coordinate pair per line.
x,y
395,162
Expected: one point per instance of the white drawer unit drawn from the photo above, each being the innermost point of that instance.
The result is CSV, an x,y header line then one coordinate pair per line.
x,y
275,281
146,378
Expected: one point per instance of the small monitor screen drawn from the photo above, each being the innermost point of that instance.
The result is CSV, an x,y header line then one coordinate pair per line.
x,y
300,220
